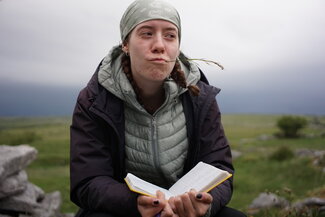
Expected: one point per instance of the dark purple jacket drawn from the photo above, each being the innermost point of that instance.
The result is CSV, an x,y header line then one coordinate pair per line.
x,y
97,166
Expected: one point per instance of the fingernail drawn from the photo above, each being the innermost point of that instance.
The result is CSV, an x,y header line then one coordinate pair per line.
x,y
156,202
199,196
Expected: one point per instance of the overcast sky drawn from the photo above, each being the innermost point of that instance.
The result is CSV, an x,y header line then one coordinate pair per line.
x,y
263,44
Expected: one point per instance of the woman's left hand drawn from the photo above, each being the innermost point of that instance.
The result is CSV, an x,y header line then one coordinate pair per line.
x,y
191,204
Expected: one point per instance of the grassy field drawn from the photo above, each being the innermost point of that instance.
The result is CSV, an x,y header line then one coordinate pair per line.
x,y
252,135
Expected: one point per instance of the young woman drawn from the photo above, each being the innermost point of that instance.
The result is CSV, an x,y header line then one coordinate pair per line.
x,y
149,111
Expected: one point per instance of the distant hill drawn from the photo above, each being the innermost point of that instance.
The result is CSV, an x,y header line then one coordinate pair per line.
x,y
17,99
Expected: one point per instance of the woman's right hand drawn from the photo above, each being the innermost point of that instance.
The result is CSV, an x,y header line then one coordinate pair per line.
x,y
150,206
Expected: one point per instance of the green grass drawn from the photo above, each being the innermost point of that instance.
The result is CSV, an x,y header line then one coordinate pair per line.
x,y
50,136
256,171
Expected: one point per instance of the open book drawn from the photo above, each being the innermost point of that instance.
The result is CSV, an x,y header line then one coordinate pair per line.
x,y
203,177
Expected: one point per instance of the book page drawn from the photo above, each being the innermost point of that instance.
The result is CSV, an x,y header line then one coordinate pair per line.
x,y
143,187
201,178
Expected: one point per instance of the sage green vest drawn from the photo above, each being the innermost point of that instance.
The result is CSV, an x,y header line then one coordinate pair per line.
x,y
156,145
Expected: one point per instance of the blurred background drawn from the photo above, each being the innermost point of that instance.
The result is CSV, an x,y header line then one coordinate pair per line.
x,y
273,52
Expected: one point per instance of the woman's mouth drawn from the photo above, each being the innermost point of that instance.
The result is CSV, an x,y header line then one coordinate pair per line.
x,y
158,60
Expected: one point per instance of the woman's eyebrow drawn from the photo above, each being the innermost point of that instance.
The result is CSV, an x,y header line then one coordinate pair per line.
x,y
171,28
152,27
145,27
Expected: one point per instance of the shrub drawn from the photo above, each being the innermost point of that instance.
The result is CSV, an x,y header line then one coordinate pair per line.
x,y
281,154
291,125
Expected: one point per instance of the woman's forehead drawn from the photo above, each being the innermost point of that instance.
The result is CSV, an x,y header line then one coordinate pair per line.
x,y
157,23
143,10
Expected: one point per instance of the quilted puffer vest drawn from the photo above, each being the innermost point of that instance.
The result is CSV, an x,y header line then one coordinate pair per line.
x,y
156,145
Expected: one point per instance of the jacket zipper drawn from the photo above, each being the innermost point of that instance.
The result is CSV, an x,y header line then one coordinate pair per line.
x,y
154,144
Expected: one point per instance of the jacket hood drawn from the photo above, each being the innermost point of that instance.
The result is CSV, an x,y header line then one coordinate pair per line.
x,y
112,78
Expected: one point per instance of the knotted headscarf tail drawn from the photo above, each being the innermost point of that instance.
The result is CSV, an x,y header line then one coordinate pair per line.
x,y
144,10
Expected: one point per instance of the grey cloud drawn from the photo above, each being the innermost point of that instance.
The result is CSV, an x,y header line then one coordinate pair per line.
x,y
260,43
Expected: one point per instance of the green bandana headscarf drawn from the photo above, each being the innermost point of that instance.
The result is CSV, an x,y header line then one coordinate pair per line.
x,y
143,10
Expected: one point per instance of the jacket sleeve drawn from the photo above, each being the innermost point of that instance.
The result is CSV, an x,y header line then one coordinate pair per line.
x,y
215,150
93,183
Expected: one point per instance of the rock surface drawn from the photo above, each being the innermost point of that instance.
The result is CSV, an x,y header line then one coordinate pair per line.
x,y
235,154
14,184
15,158
18,197
268,200
25,202
311,202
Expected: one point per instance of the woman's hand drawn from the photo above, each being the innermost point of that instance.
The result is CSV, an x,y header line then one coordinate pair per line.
x,y
150,206
191,204
168,212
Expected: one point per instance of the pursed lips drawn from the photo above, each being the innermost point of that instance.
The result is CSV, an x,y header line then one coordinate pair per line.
x,y
158,60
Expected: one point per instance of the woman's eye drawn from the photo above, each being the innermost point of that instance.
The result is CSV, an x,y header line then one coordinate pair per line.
x,y
146,34
171,36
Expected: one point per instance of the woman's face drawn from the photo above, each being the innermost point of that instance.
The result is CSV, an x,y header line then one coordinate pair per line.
x,y
151,44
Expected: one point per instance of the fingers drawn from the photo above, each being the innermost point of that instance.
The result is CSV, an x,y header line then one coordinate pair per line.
x,y
202,197
167,212
190,204
160,196
182,205
148,201
189,209
152,201
150,206
171,203
201,201
180,210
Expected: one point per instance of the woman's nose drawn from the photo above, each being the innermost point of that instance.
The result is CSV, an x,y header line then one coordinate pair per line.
x,y
158,44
